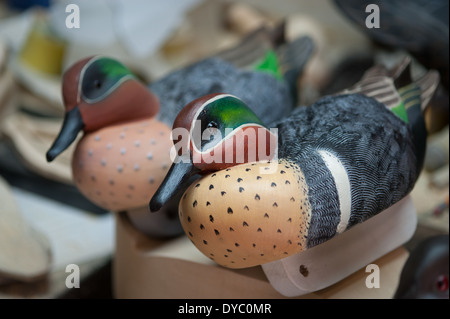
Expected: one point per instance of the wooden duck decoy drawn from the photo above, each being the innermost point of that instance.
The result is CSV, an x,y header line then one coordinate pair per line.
x,y
420,27
425,273
340,161
124,153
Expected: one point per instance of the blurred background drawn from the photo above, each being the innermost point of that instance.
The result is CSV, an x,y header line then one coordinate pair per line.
x,y
42,215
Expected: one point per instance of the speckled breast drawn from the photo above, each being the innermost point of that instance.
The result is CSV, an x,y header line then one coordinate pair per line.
x,y
120,167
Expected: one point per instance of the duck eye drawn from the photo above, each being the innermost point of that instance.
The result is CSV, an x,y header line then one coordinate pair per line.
x,y
442,283
212,124
97,84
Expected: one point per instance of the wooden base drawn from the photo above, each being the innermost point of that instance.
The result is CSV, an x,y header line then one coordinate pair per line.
x,y
334,260
149,268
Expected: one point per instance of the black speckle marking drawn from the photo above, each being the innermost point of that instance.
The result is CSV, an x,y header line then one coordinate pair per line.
x,y
246,208
292,199
239,180
275,204
226,176
254,245
266,215
229,250
257,197
231,229
279,230
131,187
223,193
226,256
258,177
241,189
211,186
208,203
229,210
197,185
194,204
211,218
287,182
211,254
289,220
202,227
245,224
190,234
290,242
213,175
216,232
236,244
259,230
262,255
205,242
303,270
189,219
274,246
248,169
273,185
282,172
227,169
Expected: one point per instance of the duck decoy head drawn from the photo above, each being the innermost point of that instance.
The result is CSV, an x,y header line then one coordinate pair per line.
x,y
98,92
212,133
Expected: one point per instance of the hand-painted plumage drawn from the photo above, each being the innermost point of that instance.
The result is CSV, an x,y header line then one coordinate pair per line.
x,y
340,161
124,152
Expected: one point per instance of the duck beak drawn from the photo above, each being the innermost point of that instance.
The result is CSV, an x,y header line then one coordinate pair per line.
x,y
72,125
176,181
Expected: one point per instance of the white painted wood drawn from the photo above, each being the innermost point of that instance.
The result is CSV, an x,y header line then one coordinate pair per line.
x,y
332,261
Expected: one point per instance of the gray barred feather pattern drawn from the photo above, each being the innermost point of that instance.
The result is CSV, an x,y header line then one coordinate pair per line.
x,y
260,91
375,147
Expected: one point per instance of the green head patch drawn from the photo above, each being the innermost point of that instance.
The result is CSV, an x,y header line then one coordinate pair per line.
x,y
100,77
218,117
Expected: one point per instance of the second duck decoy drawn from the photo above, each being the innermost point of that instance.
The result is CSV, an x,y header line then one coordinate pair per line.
x,y
124,152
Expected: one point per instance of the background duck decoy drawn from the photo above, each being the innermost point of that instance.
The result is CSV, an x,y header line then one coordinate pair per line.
x,y
340,161
417,27
124,153
425,273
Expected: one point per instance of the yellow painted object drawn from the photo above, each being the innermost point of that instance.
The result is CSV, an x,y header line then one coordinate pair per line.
x,y
43,50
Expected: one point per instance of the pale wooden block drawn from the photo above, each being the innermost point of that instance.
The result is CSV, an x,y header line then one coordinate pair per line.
x,y
328,263
149,268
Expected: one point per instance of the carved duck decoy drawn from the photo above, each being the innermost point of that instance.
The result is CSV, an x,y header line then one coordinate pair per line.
x,y
425,273
419,27
124,153
340,161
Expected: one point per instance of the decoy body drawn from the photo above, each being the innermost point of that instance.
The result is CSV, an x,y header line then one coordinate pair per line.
x,y
420,27
425,273
340,161
124,153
